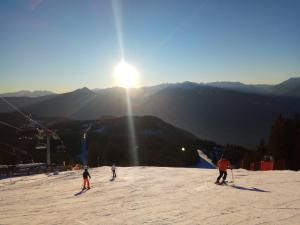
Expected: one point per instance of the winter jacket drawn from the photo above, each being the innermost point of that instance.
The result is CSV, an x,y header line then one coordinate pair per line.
x,y
223,164
86,174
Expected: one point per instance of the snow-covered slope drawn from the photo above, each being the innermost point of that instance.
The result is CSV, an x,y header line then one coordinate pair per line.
x,y
204,161
152,195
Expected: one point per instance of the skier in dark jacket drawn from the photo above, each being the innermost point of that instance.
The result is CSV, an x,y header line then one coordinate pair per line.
x,y
86,175
113,170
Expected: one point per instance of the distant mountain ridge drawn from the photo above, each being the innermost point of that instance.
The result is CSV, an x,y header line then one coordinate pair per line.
x,y
290,87
218,114
64,105
31,94
20,102
249,88
226,112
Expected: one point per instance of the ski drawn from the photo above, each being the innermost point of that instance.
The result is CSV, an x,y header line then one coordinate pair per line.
x,y
222,183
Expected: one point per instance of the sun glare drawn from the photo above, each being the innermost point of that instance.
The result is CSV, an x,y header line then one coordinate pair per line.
x,y
126,75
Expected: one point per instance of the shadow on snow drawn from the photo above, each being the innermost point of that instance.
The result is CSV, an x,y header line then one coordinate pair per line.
x,y
248,189
80,192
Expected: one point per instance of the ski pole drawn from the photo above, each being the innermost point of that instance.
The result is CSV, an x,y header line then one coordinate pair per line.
x,y
232,176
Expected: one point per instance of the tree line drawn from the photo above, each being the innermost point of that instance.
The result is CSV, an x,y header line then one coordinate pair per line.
x,y
283,144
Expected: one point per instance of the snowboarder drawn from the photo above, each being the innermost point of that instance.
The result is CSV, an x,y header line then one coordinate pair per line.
x,y
86,175
223,165
113,170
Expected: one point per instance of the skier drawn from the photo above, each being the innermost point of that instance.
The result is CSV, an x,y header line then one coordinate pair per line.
x,y
86,175
223,164
113,169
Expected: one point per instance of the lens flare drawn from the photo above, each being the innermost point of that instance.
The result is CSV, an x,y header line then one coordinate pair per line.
x,y
126,75
133,149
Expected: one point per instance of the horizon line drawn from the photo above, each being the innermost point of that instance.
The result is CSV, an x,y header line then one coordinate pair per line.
x,y
146,86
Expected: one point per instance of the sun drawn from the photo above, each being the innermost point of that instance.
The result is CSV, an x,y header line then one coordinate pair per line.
x,y
126,75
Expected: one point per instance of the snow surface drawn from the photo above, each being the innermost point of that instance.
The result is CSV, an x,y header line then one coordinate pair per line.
x,y
152,195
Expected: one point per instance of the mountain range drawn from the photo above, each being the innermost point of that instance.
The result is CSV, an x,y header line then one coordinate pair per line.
x,y
225,112
157,143
290,87
31,94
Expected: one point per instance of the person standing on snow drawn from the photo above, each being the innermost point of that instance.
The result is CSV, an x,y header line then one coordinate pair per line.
x,y
86,175
223,165
113,170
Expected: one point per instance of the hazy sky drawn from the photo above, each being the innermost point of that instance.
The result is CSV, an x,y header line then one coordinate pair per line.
x,y
62,45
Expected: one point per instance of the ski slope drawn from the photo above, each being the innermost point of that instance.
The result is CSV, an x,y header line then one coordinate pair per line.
x,y
152,195
204,161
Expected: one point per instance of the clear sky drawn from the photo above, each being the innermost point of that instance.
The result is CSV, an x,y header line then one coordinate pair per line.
x,y
61,45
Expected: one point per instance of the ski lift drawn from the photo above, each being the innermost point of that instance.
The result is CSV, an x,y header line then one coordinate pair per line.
x,y
40,146
28,130
27,133
40,134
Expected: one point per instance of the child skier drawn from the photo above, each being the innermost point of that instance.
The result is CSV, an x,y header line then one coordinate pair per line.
x,y
86,175
223,164
113,169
